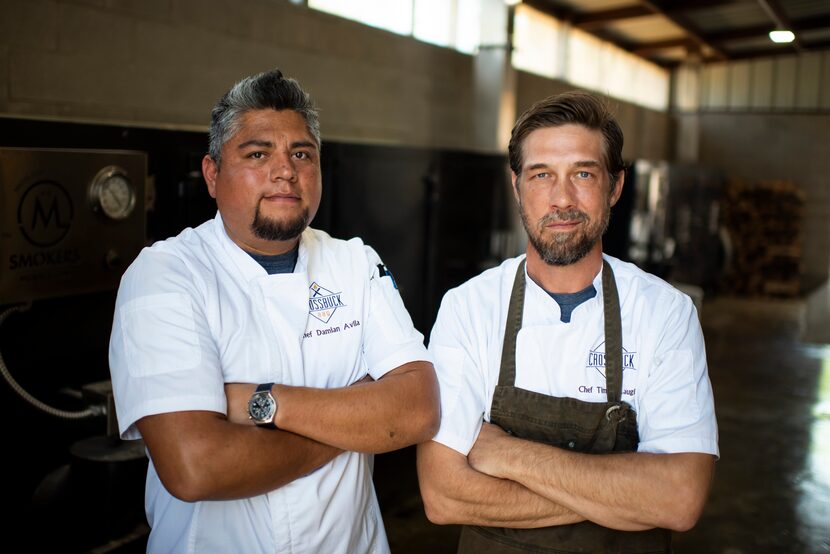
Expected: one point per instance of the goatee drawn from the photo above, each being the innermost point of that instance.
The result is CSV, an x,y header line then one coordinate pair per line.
x,y
271,229
565,248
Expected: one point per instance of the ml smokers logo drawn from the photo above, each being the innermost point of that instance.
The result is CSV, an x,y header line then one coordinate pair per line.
x,y
44,214
322,303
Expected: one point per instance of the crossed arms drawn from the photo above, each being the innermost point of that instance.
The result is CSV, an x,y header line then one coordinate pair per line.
x,y
201,455
504,481
511,482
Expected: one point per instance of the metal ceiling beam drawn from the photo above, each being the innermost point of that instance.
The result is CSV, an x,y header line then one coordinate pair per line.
x,y
797,25
761,53
683,23
566,14
597,23
647,48
781,20
558,12
810,23
819,45
692,5
584,19
588,20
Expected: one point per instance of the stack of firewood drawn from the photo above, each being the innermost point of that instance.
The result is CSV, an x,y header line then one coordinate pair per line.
x,y
764,223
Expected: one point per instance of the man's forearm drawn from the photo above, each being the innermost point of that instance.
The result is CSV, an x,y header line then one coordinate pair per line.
x,y
455,493
396,411
626,491
202,456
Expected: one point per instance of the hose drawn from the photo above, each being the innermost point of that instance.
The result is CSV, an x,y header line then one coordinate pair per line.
x,y
62,414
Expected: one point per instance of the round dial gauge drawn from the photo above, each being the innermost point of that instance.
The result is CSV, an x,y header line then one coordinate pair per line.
x,y
113,193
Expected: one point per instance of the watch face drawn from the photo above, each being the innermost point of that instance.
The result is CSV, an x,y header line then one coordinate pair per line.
x,y
261,407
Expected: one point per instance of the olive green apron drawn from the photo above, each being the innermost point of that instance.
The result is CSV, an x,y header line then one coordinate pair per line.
x,y
597,427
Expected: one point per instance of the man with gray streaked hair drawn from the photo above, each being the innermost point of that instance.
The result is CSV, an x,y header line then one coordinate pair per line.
x,y
261,360
259,92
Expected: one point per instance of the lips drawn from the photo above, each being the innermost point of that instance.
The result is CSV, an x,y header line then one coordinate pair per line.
x,y
563,220
281,197
562,224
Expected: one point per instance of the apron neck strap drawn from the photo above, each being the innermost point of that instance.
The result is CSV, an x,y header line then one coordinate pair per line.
x,y
507,375
613,332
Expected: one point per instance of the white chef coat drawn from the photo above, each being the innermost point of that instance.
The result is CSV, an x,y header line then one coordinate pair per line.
x,y
196,311
664,361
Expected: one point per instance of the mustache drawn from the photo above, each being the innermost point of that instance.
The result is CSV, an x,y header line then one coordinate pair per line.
x,y
555,216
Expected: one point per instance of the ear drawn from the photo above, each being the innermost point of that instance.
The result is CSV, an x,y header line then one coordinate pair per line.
x,y
209,172
515,180
618,186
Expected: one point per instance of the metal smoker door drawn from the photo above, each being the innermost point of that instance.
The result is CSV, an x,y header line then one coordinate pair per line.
x,y
72,220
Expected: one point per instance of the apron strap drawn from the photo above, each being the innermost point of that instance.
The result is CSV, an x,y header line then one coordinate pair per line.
x,y
613,334
507,375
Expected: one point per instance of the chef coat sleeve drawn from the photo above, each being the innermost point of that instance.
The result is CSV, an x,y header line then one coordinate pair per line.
x,y
390,340
676,406
162,355
461,379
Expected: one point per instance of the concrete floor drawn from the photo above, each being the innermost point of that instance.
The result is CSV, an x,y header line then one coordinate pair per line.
x,y
772,487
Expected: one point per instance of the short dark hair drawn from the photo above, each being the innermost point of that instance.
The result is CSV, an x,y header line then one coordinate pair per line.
x,y
258,92
570,107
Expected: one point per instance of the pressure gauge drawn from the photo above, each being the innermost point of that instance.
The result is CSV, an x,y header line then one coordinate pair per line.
x,y
112,193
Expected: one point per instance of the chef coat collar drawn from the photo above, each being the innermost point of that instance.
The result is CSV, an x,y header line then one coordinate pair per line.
x,y
552,307
247,266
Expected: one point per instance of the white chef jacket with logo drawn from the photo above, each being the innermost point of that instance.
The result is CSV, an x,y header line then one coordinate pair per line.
x,y
664,361
194,312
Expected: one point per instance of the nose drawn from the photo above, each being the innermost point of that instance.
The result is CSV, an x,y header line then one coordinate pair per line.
x,y
562,194
282,167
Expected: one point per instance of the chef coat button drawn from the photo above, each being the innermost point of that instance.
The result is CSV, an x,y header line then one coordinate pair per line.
x,y
571,444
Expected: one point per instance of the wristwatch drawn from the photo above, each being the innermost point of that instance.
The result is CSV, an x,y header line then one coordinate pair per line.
x,y
262,407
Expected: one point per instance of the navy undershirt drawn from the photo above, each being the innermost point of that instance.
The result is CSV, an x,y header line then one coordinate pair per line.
x,y
568,301
279,263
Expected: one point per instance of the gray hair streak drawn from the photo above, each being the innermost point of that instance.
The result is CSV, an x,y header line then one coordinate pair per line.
x,y
268,90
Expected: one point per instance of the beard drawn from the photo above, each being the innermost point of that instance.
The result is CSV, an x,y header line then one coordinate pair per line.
x,y
565,248
271,229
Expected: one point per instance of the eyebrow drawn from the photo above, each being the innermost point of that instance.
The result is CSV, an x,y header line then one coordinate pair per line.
x,y
303,144
256,142
269,144
580,163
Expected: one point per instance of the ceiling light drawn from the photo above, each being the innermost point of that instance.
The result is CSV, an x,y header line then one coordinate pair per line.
x,y
781,36
512,2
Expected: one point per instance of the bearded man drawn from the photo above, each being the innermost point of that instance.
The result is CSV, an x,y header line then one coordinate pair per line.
x,y
577,412
261,360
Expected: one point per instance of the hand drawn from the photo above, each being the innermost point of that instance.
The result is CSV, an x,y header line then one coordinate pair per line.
x,y
489,449
238,395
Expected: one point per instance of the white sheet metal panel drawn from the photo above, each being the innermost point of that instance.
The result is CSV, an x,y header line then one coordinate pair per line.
x,y
824,93
784,79
809,81
739,83
715,83
687,88
761,91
